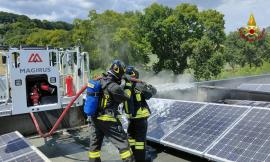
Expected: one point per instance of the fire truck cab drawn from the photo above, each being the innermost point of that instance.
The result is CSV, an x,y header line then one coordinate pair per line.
x,y
41,79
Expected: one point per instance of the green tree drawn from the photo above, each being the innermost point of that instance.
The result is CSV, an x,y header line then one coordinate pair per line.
x,y
111,35
15,29
17,32
207,60
180,36
168,32
240,52
55,38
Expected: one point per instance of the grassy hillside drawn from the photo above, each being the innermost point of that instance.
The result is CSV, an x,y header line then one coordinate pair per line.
x,y
16,29
245,71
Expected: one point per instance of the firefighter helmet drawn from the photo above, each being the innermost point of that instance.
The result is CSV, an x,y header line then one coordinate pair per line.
x,y
117,69
132,71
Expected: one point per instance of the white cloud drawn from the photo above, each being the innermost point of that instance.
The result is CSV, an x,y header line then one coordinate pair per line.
x,y
7,10
65,10
51,17
237,13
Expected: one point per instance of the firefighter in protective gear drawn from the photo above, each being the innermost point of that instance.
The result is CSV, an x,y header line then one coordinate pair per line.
x,y
105,121
137,111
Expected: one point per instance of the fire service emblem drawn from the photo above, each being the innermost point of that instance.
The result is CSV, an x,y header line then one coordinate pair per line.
x,y
251,32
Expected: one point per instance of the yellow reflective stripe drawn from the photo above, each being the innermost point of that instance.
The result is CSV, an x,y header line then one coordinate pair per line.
x,y
139,147
139,143
126,106
142,113
106,118
128,92
138,97
131,142
142,110
105,101
125,154
128,84
94,154
141,116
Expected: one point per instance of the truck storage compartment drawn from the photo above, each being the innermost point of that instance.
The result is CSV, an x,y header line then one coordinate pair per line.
x,y
39,91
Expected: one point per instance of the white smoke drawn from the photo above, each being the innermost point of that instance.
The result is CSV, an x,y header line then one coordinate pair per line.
x,y
167,81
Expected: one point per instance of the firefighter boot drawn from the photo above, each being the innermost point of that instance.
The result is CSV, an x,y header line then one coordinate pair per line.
x,y
129,159
94,156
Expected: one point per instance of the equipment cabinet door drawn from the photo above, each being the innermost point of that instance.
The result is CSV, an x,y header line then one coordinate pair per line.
x,y
34,80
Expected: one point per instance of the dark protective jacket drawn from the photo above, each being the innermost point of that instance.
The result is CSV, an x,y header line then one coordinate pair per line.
x,y
112,95
136,106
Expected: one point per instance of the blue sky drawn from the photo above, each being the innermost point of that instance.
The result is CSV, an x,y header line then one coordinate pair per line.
x,y
236,11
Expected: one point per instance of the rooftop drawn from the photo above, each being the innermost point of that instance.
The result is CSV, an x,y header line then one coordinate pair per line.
x,y
72,145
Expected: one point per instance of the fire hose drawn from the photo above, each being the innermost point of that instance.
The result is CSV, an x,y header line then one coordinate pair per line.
x,y
59,119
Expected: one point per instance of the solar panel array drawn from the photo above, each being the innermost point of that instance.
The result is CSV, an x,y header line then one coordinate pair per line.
x,y
255,87
214,131
14,148
204,128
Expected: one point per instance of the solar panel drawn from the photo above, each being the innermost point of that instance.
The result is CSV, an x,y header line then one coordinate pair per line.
x,y
248,140
200,131
13,146
169,116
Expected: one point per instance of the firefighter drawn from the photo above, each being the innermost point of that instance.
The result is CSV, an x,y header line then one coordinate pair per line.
x,y
105,122
137,111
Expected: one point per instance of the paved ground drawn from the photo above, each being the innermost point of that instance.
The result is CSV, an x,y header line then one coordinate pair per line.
x,y
73,145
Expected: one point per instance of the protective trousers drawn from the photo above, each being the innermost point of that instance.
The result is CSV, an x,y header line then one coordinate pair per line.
x,y
137,130
115,133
